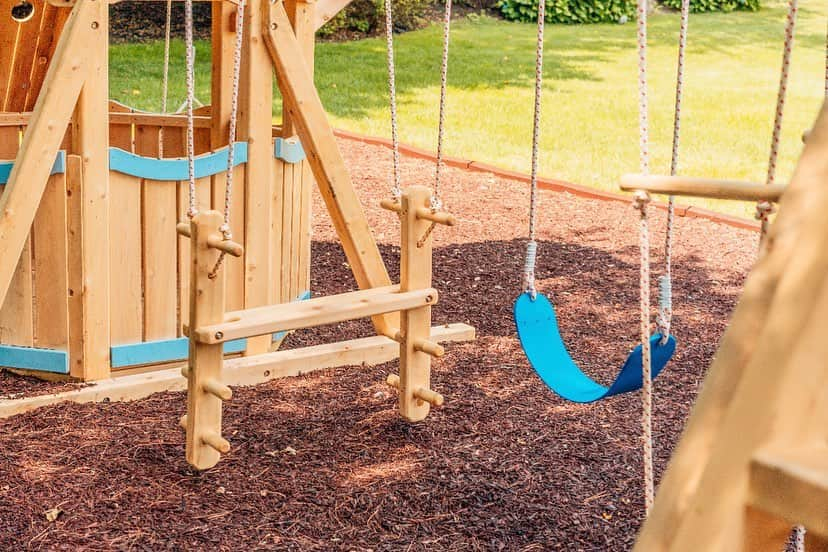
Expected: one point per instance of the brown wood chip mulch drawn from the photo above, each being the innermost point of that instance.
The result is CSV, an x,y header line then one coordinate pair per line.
x,y
322,462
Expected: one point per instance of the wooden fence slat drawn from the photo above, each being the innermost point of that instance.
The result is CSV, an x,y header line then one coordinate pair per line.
x,y
277,190
50,28
160,280
287,232
51,279
24,57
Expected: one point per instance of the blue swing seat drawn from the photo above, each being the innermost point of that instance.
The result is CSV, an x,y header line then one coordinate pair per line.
x,y
537,327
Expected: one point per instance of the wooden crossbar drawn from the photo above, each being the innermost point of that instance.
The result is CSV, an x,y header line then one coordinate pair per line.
x,y
314,312
702,187
792,485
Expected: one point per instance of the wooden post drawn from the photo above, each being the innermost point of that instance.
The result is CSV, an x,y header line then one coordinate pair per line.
x,y
415,327
301,15
256,128
204,442
90,140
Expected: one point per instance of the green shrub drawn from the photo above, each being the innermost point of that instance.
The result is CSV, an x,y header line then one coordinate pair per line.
x,y
368,17
569,11
700,6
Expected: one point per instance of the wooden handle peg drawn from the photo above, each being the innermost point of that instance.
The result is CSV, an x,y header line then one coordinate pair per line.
x,y
183,229
217,389
217,241
393,380
440,217
216,441
183,422
431,397
185,371
429,347
391,205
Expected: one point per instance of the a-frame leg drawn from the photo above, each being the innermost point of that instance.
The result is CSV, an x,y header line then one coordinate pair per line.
x,y
302,103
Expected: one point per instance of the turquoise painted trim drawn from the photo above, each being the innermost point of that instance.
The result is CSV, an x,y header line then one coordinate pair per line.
x,y
58,168
278,336
173,170
154,352
29,358
288,150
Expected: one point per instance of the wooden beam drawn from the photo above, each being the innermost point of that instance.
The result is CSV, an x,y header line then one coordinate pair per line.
x,y
367,351
327,10
313,312
61,90
702,187
793,485
306,111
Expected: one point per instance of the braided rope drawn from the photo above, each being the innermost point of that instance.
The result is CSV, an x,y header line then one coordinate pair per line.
x,y
642,201
396,188
764,209
436,202
665,317
166,79
532,246
226,228
190,55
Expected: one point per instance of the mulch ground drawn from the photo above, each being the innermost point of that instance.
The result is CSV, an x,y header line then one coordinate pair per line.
x,y
323,462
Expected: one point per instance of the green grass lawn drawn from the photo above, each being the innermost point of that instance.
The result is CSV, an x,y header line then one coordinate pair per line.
x,y
590,129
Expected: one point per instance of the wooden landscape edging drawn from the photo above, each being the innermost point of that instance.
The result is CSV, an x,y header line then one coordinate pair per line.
x,y
549,183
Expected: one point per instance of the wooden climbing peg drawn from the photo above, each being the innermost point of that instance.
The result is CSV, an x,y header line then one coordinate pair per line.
x,y
416,349
391,205
205,392
216,241
437,217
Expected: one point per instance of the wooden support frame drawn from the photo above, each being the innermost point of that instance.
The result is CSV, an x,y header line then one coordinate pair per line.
x,y
302,103
765,389
702,187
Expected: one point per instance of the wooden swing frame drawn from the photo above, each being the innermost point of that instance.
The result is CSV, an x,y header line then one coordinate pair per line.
x,y
278,35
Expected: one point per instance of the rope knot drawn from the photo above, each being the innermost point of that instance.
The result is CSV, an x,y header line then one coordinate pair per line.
x,y
764,209
641,200
436,203
226,232
529,268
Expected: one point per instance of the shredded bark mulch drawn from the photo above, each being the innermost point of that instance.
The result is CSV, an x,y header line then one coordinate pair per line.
x,y
323,462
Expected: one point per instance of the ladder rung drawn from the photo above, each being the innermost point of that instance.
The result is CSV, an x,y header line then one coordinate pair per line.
x,y
314,312
792,485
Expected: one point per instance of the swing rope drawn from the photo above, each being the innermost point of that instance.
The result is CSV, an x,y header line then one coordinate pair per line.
x,y
396,190
532,245
166,79
226,229
641,203
765,208
665,317
192,211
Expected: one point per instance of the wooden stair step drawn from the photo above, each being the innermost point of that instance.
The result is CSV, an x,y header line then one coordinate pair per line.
x,y
314,312
793,485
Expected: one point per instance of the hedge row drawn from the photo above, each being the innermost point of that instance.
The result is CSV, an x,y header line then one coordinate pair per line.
x,y
605,11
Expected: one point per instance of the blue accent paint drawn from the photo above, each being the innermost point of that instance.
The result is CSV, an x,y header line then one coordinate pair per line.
x,y
278,336
540,337
58,168
173,170
288,150
29,358
168,350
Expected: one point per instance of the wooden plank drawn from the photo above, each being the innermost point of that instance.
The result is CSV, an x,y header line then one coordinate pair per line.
x,y
51,283
793,485
203,422
327,10
203,202
126,283
90,139
276,228
329,168
9,29
234,268
50,29
306,230
702,187
74,204
24,59
160,256
255,127
313,312
301,15
366,351
44,135
287,232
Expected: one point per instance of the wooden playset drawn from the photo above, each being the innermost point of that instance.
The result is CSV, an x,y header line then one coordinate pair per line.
x,y
101,279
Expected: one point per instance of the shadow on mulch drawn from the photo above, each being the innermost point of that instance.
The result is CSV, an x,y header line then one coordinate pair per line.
x,y
322,462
